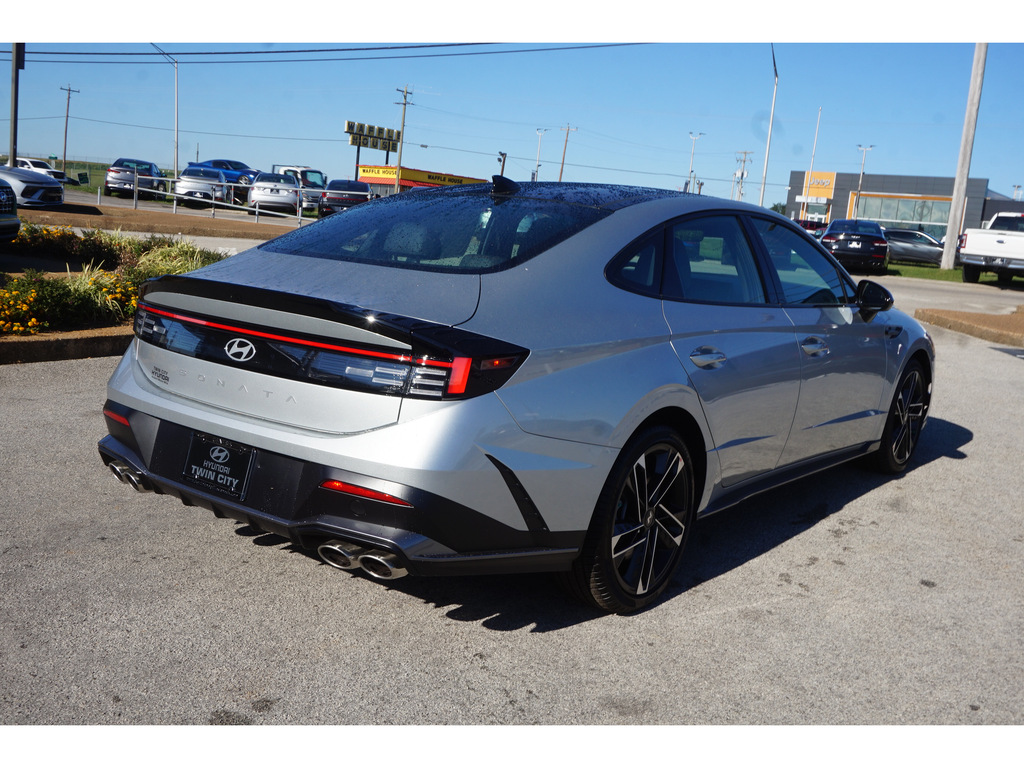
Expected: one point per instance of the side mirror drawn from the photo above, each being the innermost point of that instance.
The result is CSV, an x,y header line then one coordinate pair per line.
x,y
873,298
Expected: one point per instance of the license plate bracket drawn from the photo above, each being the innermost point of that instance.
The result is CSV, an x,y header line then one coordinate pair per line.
x,y
219,465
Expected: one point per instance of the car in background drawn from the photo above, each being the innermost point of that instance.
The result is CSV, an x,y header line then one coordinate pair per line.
x,y
125,171
341,195
235,172
513,378
276,192
41,166
913,246
33,190
857,244
10,224
201,184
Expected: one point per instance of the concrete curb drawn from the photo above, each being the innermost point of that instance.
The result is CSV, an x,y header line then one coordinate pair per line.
x,y
999,329
73,345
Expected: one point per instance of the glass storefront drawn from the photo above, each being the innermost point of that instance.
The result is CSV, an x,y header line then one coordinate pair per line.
x,y
917,213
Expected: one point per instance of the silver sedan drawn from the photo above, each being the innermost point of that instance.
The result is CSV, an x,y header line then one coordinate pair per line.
x,y
276,192
514,377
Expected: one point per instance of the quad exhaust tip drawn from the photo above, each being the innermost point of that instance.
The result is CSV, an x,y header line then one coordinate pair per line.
x,y
126,474
348,557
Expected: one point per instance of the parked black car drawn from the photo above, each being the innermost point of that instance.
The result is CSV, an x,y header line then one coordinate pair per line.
x,y
857,244
341,194
122,173
913,246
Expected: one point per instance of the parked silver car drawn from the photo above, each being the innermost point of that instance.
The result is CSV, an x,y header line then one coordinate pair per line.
x,y
510,378
123,174
32,189
275,191
201,184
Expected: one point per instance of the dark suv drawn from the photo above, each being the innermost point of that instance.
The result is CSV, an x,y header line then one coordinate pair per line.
x,y
122,174
341,194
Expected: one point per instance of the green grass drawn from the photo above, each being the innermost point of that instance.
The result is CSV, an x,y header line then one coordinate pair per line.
x,y
934,273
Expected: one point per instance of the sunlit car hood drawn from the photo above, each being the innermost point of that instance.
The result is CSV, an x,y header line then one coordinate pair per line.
x,y
27,176
448,299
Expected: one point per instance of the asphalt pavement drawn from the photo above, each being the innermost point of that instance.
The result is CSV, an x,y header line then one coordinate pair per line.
x,y
848,598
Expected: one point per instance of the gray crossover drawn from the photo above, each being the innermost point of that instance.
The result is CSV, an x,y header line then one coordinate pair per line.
x,y
512,378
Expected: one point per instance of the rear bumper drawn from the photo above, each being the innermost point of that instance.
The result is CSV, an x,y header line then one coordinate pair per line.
x,y
999,263
433,536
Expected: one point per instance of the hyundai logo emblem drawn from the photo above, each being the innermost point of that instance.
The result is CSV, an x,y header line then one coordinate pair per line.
x,y
219,454
240,350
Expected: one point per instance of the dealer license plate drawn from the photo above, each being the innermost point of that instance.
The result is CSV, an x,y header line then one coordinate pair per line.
x,y
218,464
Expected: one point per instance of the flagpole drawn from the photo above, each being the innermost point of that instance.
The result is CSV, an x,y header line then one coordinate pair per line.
x,y
771,119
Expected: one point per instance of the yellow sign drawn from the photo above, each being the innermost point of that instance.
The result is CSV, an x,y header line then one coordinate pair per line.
x,y
372,136
820,184
386,173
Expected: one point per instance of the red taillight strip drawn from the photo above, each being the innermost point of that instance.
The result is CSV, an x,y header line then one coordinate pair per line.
x,y
400,358
363,493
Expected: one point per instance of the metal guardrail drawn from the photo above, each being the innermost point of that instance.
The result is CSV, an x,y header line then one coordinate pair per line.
x,y
214,204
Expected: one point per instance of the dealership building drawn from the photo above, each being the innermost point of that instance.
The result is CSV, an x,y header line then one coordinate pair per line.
x,y
895,202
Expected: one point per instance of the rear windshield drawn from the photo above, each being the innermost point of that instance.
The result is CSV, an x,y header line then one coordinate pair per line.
x,y
349,186
1009,223
276,178
852,225
441,231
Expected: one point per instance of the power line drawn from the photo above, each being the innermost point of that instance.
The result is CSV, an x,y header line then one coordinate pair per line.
x,y
316,60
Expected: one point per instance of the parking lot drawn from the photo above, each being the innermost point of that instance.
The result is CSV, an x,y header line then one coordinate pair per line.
x,y
849,598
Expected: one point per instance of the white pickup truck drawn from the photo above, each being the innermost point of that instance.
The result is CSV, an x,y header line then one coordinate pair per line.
x,y
998,247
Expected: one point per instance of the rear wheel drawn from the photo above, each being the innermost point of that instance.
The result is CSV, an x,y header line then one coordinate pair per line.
x,y
903,425
970,273
640,525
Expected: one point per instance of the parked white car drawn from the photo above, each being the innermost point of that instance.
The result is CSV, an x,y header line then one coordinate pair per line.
x,y
33,189
206,184
274,191
41,166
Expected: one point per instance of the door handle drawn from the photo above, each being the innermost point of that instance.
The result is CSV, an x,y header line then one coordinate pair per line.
x,y
708,357
814,347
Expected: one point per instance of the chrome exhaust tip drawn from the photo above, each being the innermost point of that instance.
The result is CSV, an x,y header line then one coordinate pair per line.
x,y
126,474
341,554
382,565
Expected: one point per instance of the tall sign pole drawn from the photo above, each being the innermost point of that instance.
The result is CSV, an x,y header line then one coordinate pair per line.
x,y
963,166
17,63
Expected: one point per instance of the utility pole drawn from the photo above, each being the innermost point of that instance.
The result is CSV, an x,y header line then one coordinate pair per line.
x,y
501,159
540,134
963,166
565,147
175,63
741,174
401,140
693,146
67,113
860,181
17,63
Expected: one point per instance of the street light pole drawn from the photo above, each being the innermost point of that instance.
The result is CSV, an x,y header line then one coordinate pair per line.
x,y
693,146
540,134
860,181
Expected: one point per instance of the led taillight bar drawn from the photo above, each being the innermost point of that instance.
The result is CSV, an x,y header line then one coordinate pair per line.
x,y
363,493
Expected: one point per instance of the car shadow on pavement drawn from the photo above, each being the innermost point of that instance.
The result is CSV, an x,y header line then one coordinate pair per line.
x,y
717,545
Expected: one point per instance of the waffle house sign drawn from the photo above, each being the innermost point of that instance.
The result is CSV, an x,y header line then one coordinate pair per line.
x,y
372,136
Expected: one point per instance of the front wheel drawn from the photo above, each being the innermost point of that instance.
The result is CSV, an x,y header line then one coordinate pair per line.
x,y
903,425
640,526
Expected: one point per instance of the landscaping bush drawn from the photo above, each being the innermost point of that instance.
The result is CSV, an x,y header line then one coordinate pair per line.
x,y
105,292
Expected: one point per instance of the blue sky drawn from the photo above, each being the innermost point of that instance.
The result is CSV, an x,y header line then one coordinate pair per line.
x,y
631,107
